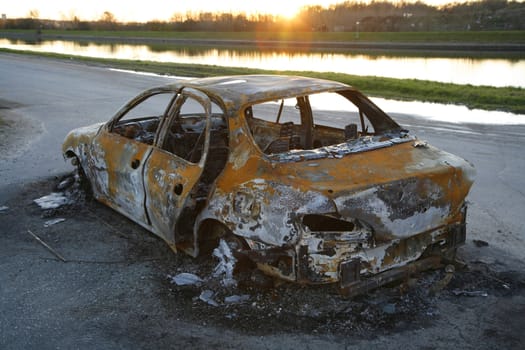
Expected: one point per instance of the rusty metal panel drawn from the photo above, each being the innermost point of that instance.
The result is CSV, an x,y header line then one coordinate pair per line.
x,y
168,181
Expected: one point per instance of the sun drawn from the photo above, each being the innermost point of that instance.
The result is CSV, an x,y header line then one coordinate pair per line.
x,y
287,9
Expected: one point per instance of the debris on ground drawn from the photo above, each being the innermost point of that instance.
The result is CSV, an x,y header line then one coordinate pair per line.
x,y
236,299
441,284
207,296
67,182
53,200
226,265
47,246
470,293
480,243
186,279
53,222
321,309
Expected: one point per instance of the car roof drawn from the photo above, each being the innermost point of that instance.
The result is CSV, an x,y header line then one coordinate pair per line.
x,y
246,89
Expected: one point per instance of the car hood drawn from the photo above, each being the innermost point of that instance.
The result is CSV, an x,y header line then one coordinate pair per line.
x,y
80,135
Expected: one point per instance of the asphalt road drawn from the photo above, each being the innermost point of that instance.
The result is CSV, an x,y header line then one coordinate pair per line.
x,y
51,97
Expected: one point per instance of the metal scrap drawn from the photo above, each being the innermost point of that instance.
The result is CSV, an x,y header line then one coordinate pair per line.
x,y
470,293
53,222
54,252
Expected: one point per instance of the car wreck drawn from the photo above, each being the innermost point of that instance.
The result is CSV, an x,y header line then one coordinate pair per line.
x,y
305,178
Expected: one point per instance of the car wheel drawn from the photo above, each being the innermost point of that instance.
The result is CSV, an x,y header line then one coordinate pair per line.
x,y
83,180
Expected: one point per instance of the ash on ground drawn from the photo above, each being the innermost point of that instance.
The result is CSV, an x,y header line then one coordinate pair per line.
x,y
321,309
260,305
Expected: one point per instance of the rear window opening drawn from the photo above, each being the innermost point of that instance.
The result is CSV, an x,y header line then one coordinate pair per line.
x,y
314,121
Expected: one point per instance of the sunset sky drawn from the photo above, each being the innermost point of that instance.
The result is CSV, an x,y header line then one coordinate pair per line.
x,y
126,10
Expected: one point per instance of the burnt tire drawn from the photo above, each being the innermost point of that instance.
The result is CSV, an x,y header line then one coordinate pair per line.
x,y
83,180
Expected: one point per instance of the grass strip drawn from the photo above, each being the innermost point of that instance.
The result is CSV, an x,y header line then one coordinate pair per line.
x,y
509,99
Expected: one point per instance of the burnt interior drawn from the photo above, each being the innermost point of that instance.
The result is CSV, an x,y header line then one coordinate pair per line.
x,y
185,138
141,130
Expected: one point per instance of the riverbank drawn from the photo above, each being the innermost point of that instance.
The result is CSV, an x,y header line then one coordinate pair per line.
x,y
508,99
504,41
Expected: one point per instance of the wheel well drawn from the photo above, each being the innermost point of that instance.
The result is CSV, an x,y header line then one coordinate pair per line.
x,y
211,231
70,154
85,183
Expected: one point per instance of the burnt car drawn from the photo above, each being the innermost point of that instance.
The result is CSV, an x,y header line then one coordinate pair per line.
x,y
306,178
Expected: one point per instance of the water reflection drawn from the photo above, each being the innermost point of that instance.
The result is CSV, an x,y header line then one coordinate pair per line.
x,y
449,113
475,71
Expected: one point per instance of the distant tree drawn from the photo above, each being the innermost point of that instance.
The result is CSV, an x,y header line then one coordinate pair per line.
x,y
107,21
32,22
372,15
177,17
34,14
108,17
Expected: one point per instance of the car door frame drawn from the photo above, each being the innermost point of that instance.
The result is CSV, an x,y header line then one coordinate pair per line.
x,y
118,162
169,179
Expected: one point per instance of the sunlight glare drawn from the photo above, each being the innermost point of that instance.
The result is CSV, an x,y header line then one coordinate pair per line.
x,y
287,9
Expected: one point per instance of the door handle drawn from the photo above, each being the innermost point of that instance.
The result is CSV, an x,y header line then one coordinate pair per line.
x,y
135,163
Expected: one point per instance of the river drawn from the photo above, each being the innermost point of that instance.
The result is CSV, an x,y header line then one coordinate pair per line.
x,y
459,70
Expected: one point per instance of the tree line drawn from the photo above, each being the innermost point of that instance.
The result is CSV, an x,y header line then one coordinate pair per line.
x,y
376,16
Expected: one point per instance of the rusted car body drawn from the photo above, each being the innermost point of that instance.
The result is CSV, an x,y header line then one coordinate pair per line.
x,y
308,178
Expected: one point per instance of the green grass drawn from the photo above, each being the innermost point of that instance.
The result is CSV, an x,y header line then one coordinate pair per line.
x,y
426,37
508,99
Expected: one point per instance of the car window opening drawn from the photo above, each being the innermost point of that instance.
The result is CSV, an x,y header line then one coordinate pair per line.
x,y
185,138
310,122
142,120
140,130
